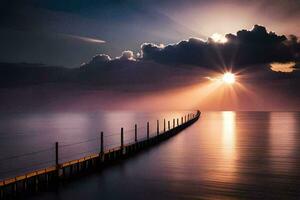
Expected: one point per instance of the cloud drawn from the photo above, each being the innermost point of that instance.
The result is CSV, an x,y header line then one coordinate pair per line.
x,y
255,51
126,55
100,58
283,67
256,46
104,59
261,54
245,48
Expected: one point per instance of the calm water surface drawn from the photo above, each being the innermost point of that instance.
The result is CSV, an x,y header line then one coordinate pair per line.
x,y
225,155
27,140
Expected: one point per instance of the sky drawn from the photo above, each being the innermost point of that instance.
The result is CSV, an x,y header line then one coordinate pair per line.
x,y
131,54
68,33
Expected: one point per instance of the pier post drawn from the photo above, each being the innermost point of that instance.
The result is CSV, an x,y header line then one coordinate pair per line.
x,y
188,117
101,145
135,132
56,155
147,130
24,185
122,139
15,188
184,118
157,127
177,121
36,183
64,172
1,193
173,123
168,125
71,170
181,120
47,181
164,125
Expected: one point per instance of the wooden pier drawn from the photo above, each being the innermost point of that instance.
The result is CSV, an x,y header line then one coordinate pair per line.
x,y
40,179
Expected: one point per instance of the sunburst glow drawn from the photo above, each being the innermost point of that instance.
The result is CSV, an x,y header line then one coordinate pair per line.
x,y
228,78
219,38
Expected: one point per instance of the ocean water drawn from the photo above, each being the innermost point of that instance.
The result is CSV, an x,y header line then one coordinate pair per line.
x,y
27,140
224,155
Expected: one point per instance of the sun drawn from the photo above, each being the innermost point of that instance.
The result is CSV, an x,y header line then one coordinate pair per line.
x,y
218,38
228,78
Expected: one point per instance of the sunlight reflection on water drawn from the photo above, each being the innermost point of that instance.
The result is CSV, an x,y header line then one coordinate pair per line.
x,y
224,155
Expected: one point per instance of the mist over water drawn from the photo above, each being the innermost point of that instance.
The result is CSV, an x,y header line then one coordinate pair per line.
x,y
224,155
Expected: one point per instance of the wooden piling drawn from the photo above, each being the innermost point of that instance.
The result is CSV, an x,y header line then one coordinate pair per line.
x,y
71,169
135,133
56,155
173,123
122,139
157,127
15,188
177,122
164,125
168,125
36,183
101,144
56,159
24,183
47,181
1,193
147,130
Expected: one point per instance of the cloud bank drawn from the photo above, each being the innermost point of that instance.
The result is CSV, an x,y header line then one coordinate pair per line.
x,y
267,63
256,50
257,46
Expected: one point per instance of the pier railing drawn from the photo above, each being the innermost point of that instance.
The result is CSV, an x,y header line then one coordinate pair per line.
x,y
87,154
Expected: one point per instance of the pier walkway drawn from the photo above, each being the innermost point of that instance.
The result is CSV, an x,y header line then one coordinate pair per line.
x,y
40,179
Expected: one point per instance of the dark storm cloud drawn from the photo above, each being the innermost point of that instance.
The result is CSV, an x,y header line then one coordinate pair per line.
x,y
100,58
252,50
126,55
191,60
245,48
104,59
256,47
127,70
